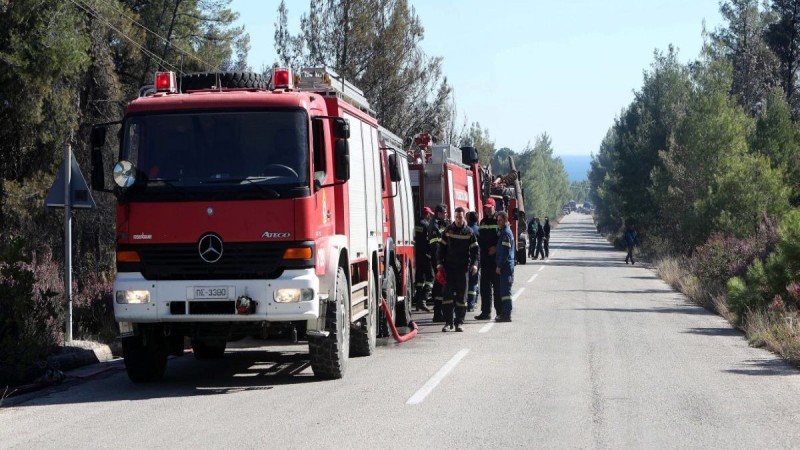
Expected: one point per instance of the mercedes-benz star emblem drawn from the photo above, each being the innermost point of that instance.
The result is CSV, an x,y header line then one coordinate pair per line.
x,y
210,248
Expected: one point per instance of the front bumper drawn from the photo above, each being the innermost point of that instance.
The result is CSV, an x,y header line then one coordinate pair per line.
x,y
172,301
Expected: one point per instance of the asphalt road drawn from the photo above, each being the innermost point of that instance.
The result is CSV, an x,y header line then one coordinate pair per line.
x,y
600,355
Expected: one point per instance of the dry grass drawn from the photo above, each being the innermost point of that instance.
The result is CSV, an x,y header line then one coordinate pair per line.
x,y
778,332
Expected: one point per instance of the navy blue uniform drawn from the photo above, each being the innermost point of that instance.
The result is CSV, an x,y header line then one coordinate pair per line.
x,y
504,259
487,238
435,232
458,252
423,265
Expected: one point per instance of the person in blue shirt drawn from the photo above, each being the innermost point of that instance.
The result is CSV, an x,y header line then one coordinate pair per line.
x,y
504,259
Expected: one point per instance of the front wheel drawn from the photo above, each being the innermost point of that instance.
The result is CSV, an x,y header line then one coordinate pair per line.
x,y
145,356
329,353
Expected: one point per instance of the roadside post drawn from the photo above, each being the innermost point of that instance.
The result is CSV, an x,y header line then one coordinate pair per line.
x,y
69,191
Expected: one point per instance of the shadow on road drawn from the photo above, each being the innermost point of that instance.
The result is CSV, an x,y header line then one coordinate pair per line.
x,y
237,371
640,291
721,331
693,310
766,367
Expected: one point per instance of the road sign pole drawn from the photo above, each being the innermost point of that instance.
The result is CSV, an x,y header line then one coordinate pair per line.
x,y
68,238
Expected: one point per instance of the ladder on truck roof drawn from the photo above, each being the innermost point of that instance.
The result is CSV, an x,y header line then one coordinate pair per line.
x,y
325,81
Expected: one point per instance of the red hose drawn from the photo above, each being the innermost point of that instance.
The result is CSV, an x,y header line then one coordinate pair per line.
x,y
397,337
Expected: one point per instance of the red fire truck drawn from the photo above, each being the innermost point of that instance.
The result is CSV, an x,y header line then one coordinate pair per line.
x,y
253,208
445,174
453,176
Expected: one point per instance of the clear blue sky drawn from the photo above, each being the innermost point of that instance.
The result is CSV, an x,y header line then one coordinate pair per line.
x,y
522,68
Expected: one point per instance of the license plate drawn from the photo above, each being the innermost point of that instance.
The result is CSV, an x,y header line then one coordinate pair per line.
x,y
210,292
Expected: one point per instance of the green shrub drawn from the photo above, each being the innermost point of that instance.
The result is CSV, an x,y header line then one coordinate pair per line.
x,y
31,317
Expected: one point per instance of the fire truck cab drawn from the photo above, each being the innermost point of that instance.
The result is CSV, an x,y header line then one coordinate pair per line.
x,y
245,208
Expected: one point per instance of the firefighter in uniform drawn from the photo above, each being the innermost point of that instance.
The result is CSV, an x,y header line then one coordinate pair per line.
x,y
487,239
422,259
504,260
458,255
435,231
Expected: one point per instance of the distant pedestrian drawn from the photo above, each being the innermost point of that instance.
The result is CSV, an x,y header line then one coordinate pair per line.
x,y
458,256
504,260
546,237
539,240
472,285
631,240
531,237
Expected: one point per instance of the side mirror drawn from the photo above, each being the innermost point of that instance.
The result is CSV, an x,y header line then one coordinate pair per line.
x,y
469,155
394,168
341,128
342,160
98,140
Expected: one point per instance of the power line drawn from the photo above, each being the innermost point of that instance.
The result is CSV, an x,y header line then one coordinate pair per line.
x,y
144,50
163,39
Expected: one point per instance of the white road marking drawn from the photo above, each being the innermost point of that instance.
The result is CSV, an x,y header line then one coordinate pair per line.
x,y
437,378
541,268
519,292
486,328
530,280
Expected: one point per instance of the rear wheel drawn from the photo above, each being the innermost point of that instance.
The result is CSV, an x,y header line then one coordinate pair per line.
x,y
363,338
522,256
403,308
329,353
145,356
208,349
389,292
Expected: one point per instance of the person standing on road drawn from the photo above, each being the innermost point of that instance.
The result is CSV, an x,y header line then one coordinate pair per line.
x,y
546,237
487,241
472,286
422,260
435,232
458,255
539,240
531,237
504,260
631,240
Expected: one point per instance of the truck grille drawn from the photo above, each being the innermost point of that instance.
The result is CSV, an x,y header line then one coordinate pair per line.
x,y
239,261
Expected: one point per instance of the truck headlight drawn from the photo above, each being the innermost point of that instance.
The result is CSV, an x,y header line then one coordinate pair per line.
x,y
130,297
290,295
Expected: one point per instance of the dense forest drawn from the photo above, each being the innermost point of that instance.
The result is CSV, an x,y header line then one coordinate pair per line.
x,y
705,164
68,64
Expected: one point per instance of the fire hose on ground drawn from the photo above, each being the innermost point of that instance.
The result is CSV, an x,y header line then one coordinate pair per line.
x,y
396,334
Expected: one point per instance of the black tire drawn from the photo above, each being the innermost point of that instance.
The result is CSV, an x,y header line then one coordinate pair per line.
x,y
208,350
329,354
217,80
363,338
522,257
403,309
389,292
145,356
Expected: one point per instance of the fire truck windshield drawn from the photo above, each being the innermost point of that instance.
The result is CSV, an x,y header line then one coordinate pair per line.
x,y
235,152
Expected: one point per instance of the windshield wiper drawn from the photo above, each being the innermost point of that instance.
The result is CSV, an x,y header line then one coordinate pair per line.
x,y
250,180
168,182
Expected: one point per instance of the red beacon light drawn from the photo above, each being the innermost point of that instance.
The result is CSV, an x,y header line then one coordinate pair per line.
x,y
165,82
282,78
